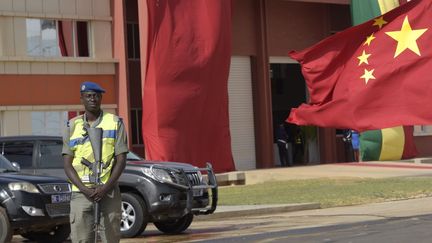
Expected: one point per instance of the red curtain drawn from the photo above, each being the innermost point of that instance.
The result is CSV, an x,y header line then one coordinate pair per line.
x,y
185,97
62,43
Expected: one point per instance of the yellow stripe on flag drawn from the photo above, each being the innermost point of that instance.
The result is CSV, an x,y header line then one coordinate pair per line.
x,y
393,140
387,5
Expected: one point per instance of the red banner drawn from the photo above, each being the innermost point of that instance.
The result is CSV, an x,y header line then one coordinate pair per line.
x,y
185,98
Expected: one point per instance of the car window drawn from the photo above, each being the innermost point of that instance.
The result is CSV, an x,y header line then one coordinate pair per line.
x,y
133,156
51,154
20,152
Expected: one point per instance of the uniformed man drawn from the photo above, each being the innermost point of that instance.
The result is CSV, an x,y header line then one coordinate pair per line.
x,y
76,147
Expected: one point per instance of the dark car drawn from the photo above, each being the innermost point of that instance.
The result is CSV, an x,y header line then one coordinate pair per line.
x,y
37,207
168,194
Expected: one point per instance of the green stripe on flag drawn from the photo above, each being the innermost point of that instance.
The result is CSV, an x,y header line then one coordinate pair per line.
x,y
370,145
393,140
364,10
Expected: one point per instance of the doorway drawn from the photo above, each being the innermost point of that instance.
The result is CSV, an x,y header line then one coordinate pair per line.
x,y
289,91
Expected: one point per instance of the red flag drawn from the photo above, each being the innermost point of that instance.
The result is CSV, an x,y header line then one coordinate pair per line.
x,y
185,100
371,76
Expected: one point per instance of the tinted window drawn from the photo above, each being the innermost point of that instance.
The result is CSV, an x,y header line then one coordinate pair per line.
x,y
51,156
20,152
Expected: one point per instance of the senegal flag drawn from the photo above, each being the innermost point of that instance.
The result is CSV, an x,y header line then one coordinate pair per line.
x,y
390,143
387,144
364,10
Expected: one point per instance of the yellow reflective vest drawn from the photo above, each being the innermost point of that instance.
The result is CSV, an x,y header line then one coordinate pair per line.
x,y
80,144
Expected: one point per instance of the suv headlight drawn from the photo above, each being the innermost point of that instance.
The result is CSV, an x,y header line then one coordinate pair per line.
x,y
23,186
157,174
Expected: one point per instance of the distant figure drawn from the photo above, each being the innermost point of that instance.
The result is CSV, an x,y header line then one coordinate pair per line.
x,y
348,145
298,145
282,143
355,141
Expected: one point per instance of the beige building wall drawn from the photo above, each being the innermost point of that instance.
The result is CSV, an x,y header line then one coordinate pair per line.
x,y
26,120
13,45
20,120
59,8
15,123
102,39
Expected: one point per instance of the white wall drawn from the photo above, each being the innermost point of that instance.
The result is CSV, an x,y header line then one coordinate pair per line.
x,y
241,113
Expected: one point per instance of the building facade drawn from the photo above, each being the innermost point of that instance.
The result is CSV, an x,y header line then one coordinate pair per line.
x,y
48,47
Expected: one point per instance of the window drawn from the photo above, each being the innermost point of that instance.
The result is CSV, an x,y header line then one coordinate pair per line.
x,y
133,44
57,38
136,123
51,154
20,152
48,122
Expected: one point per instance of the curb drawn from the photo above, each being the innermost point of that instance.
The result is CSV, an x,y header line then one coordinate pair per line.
x,y
231,178
255,210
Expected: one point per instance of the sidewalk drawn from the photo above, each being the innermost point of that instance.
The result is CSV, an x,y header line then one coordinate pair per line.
x,y
370,169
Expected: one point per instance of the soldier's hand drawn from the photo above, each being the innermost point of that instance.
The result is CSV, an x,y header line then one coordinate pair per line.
x,y
88,192
99,193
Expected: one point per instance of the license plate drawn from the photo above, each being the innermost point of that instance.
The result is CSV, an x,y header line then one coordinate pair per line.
x,y
60,198
198,192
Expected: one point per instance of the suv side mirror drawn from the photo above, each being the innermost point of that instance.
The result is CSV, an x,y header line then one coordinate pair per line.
x,y
16,166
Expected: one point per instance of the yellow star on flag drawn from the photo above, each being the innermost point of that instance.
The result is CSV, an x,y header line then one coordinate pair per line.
x,y
363,58
368,75
406,38
369,39
379,22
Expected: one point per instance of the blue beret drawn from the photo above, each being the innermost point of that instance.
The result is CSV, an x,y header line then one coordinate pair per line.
x,y
90,86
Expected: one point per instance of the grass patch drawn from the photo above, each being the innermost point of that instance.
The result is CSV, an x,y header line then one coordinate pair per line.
x,y
328,192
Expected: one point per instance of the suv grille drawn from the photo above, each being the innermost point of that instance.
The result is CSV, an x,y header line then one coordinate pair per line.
x,y
58,209
55,188
194,178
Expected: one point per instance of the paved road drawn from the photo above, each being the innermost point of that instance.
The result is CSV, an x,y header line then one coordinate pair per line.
x,y
391,222
391,230
269,228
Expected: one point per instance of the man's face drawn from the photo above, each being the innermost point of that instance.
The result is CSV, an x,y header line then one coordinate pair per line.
x,y
91,101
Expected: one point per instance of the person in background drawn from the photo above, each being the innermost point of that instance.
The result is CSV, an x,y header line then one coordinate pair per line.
x,y
299,145
282,140
355,141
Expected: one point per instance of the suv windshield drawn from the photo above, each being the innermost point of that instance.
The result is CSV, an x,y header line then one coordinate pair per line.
x,y
5,165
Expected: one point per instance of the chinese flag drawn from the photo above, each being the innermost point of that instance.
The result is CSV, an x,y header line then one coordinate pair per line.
x,y
185,97
371,76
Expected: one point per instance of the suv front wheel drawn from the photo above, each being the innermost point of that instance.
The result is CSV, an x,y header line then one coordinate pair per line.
x,y
134,216
175,226
5,228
